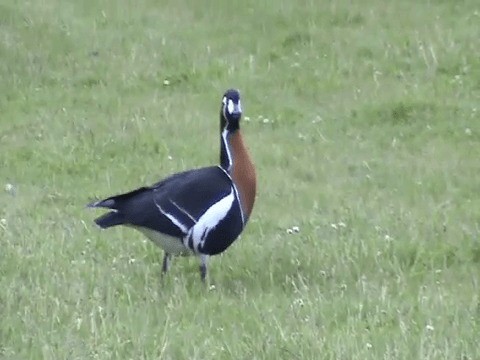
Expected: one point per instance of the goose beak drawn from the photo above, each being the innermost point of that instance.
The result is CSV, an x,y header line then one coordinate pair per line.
x,y
237,111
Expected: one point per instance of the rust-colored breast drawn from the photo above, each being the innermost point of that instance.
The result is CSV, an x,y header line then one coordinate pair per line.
x,y
243,173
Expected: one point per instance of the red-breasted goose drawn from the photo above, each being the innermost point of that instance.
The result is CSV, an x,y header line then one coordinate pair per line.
x,y
196,212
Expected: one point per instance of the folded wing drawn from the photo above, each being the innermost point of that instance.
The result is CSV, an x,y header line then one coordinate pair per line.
x,y
172,206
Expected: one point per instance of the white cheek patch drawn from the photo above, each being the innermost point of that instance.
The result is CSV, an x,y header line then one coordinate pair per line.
x,y
230,106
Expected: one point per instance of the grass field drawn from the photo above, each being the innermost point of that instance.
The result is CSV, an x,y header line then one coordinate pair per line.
x,y
363,119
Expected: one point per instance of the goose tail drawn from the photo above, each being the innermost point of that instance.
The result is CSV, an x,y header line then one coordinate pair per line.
x,y
110,219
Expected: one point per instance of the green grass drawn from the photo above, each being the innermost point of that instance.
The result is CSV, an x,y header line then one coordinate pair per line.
x,y
371,148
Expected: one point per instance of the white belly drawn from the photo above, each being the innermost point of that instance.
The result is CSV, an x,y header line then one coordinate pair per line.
x,y
169,244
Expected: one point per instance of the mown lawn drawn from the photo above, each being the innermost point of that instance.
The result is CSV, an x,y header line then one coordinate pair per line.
x,y
363,119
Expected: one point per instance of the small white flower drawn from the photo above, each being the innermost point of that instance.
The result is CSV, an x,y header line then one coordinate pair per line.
x,y
9,188
429,327
3,223
369,346
212,287
84,225
295,229
289,231
247,119
298,302
334,226
131,260
468,131
342,224
169,157
166,82
265,121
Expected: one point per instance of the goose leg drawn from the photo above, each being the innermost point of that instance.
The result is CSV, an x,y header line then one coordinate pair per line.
x,y
166,263
203,267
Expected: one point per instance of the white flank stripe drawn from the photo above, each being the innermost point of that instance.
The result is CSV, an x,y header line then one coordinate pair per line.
x,y
227,148
175,221
211,218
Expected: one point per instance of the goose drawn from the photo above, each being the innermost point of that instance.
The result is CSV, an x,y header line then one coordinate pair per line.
x,y
198,212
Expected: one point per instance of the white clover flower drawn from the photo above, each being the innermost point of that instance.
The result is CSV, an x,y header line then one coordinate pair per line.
x,y
9,188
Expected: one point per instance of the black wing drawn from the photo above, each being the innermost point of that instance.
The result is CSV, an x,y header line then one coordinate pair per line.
x,y
171,206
